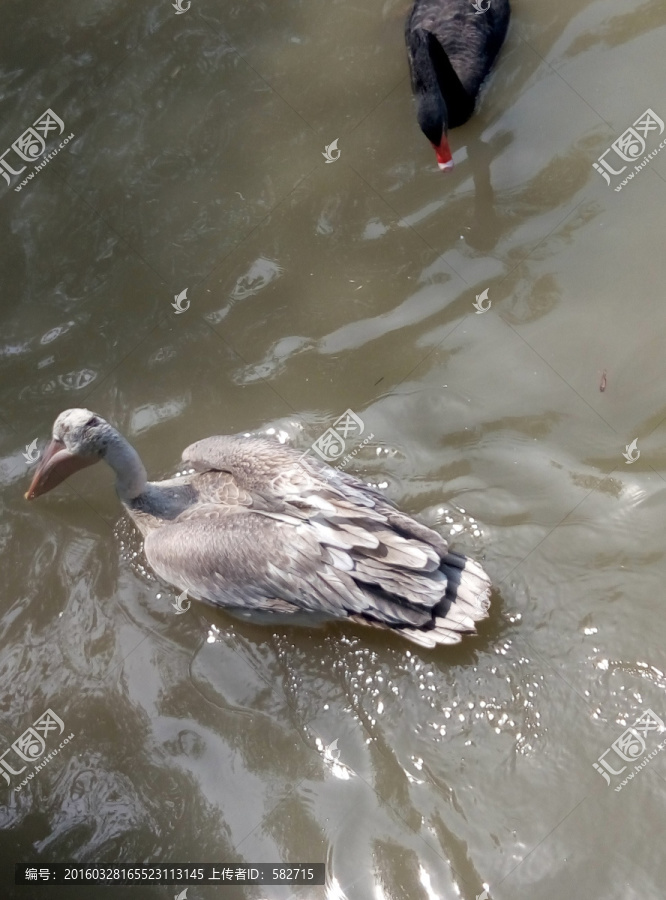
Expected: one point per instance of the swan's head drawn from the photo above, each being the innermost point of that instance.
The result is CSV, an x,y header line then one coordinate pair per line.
x,y
427,59
432,117
80,438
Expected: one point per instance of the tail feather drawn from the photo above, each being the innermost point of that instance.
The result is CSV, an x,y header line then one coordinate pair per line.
x,y
465,603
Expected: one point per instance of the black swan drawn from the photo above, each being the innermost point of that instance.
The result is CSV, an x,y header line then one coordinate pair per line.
x,y
255,526
452,45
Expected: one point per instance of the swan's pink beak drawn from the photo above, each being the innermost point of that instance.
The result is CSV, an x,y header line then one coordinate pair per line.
x,y
444,158
56,464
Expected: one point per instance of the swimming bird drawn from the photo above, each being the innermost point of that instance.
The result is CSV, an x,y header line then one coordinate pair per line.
x,y
255,526
452,45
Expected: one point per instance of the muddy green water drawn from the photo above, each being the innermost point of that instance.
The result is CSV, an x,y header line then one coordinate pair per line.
x,y
197,163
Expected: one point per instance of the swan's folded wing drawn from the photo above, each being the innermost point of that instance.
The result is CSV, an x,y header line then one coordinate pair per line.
x,y
251,559
254,459
284,480
276,472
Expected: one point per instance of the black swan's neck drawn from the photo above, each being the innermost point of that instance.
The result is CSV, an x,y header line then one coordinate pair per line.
x,y
433,74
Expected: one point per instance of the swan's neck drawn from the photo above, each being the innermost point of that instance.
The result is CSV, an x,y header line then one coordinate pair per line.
x,y
130,473
438,89
431,106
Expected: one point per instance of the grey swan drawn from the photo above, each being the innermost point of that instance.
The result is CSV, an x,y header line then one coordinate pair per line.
x,y
254,525
452,45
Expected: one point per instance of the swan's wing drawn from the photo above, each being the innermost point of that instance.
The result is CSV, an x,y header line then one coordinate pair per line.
x,y
318,539
256,458
278,473
248,560
281,480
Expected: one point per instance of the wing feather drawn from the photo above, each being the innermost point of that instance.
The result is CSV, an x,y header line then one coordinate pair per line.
x,y
275,529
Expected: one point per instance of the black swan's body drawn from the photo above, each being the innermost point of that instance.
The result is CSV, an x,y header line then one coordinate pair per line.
x,y
451,47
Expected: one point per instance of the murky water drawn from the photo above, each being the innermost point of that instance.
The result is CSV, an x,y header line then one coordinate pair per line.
x,y
197,163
